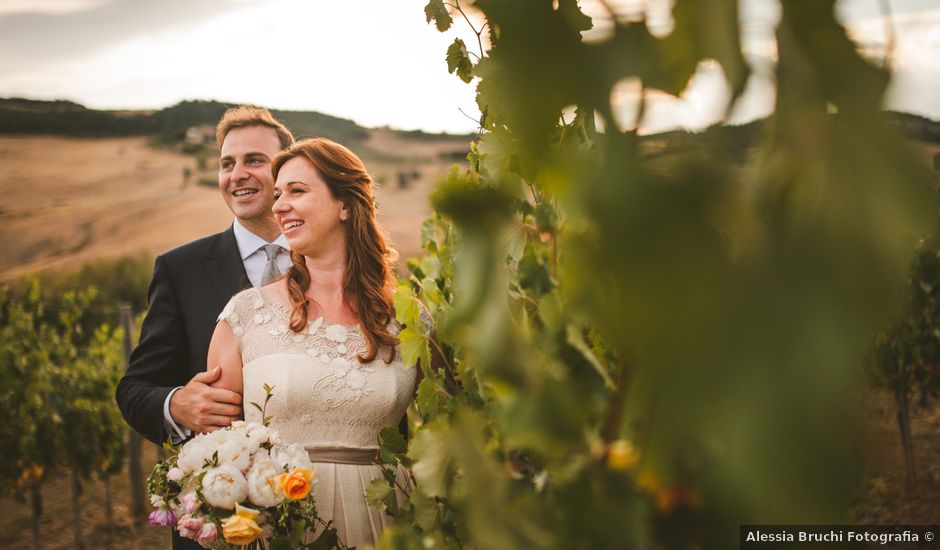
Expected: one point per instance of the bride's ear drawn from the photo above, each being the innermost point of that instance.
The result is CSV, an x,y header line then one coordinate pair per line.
x,y
343,213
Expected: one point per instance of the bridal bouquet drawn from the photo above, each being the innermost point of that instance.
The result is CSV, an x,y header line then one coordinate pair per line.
x,y
237,486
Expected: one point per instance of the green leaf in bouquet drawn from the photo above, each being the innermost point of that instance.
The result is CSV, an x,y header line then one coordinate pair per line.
x,y
297,533
257,406
280,543
391,443
328,540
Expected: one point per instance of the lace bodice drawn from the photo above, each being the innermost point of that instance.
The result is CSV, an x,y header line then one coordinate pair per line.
x,y
323,396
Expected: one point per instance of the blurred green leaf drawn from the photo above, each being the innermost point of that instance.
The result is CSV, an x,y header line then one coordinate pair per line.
x,y
430,453
429,398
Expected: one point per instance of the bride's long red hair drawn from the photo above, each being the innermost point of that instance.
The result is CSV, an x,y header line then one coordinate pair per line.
x,y
369,278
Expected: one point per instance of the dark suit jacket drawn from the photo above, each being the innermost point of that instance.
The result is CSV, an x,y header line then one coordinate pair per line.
x,y
190,286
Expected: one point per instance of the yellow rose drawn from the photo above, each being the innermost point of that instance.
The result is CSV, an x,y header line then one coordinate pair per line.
x,y
241,528
296,485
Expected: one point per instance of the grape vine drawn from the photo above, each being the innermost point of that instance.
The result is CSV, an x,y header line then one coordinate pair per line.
x,y
640,351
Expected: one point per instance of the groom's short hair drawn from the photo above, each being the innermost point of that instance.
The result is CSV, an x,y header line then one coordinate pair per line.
x,y
245,116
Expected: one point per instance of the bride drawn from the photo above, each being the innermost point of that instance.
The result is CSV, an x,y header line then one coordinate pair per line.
x,y
324,336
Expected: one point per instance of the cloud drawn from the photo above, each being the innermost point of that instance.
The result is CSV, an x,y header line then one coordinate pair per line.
x,y
10,7
51,33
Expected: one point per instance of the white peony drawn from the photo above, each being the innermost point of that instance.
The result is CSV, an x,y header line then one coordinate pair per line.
x,y
235,452
291,456
258,456
221,437
194,453
224,487
263,488
256,435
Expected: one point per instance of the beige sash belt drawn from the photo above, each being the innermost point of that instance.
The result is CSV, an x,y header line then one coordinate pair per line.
x,y
343,455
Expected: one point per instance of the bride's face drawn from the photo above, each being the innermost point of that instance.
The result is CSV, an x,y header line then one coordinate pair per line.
x,y
305,210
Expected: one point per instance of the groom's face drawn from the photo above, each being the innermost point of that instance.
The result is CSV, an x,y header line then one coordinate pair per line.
x,y
245,178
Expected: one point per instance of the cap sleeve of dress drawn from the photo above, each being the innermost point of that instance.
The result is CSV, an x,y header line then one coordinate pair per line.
x,y
236,313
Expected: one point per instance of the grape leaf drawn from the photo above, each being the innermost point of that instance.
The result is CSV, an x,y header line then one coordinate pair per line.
x,y
414,347
406,306
425,510
432,458
571,11
391,443
437,11
458,60
428,398
379,492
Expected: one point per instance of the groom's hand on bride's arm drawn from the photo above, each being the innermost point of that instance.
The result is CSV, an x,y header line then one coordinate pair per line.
x,y
203,408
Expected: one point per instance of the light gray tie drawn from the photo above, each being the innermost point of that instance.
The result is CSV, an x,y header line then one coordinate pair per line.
x,y
271,272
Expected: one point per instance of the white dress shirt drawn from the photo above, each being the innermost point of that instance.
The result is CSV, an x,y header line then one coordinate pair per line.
x,y
251,249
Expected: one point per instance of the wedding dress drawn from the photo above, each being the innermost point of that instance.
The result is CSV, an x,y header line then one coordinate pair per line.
x,y
324,399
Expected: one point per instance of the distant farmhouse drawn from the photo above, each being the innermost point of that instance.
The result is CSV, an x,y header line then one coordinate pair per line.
x,y
200,135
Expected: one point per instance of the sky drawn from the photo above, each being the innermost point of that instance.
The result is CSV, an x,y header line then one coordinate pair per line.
x,y
377,61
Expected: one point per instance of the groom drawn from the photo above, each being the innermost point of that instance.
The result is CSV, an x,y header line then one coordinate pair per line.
x,y
165,391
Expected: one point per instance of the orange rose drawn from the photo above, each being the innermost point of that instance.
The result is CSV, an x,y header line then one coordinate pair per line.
x,y
296,485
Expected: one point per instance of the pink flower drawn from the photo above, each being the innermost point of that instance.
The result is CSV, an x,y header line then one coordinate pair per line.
x,y
189,527
162,517
190,502
207,534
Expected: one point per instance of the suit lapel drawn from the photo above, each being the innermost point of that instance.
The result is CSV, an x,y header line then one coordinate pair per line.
x,y
224,267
